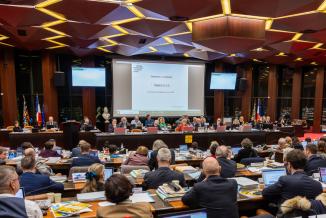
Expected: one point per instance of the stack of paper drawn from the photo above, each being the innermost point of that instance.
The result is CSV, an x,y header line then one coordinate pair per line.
x,y
69,208
167,194
246,183
59,178
141,197
138,174
185,169
91,196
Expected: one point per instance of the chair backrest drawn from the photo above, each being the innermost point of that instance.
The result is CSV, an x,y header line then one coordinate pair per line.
x,y
249,160
279,157
77,170
126,169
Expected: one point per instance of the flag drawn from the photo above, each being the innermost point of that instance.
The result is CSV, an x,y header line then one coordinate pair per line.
x,y
258,110
253,113
38,112
43,116
25,113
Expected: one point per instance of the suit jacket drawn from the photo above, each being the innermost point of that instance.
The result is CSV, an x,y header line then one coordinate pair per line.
x,y
152,180
297,184
218,195
53,125
228,167
86,127
75,152
314,162
84,160
34,184
49,153
123,209
152,163
245,153
126,125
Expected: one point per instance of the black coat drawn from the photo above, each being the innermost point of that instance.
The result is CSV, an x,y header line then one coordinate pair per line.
x,y
152,163
245,153
314,163
218,195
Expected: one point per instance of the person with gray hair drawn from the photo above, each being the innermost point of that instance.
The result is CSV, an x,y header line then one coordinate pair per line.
x,y
157,145
152,180
10,205
228,167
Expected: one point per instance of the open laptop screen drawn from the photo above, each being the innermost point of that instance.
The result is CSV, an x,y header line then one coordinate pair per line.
x,y
20,193
271,176
322,172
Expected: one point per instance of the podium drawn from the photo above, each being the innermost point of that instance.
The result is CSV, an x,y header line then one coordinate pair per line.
x,y
70,133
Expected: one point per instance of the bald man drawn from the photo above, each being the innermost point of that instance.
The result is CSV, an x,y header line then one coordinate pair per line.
x,y
218,195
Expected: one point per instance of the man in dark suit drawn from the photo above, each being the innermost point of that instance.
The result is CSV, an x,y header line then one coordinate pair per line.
x,y
218,195
228,167
84,159
296,183
34,183
314,162
51,124
124,123
152,180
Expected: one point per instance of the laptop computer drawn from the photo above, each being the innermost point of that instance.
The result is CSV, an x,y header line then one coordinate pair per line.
x,y
78,177
235,150
183,148
271,176
322,172
199,213
108,172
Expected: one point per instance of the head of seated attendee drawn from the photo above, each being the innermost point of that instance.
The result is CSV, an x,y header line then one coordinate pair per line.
x,y
17,127
219,122
241,120
161,123
25,145
3,155
308,139
194,146
268,120
118,189
314,161
247,150
156,123
158,144
51,123
48,150
113,150
94,178
138,158
10,205
163,174
35,183
124,123
41,166
296,183
112,125
210,193
321,149
182,125
203,120
212,148
289,141
135,123
282,144
228,167
86,124
148,120
85,159
296,143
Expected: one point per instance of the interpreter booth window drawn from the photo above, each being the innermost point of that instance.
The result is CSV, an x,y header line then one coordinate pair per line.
x,y
29,84
70,100
260,88
284,99
308,94
324,102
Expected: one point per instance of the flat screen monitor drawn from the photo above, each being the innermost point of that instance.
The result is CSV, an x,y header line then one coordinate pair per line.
x,y
271,176
108,172
235,150
183,148
88,77
322,172
223,81
200,213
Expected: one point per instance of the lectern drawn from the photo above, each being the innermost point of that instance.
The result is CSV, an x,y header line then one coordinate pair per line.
x,y
70,133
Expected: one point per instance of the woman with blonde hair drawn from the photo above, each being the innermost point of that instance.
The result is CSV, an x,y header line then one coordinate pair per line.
x,y
138,158
94,178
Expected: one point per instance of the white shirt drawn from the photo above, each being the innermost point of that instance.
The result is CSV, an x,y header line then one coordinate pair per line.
x,y
32,209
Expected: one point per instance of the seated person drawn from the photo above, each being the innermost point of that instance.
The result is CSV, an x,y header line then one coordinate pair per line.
x,y
24,146
211,193
314,161
288,141
296,143
86,124
149,121
76,152
138,158
296,183
182,125
241,120
17,128
113,151
228,167
118,189
112,125
3,155
212,148
246,151
11,206
41,167
235,124
152,180
124,123
51,124
84,159
197,123
321,149
48,150
35,183
161,124
158,144
94,178
136,123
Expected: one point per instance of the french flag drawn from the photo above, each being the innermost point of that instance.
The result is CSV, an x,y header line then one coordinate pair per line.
x,y
258,110
38,112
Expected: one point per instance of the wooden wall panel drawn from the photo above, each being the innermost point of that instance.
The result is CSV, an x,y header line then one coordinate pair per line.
x,y
8,87
50,95
218,97
246,95
272,93
318,105
296,93
89,101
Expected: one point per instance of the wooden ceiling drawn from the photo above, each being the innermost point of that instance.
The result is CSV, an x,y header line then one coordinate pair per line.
x,y
294,31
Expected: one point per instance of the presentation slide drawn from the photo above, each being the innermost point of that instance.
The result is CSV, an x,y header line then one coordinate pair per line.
x,y
224,81
158,88
88,77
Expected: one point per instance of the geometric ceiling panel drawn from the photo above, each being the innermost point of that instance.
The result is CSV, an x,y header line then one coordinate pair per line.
x,y
234,60
186,9
124,50
315,37
260,54
120,13
28,34
134,41
280,59
273,8
77,10
205,55
79,30
305,23
274,36
312,53
292,46
22,16
172,48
